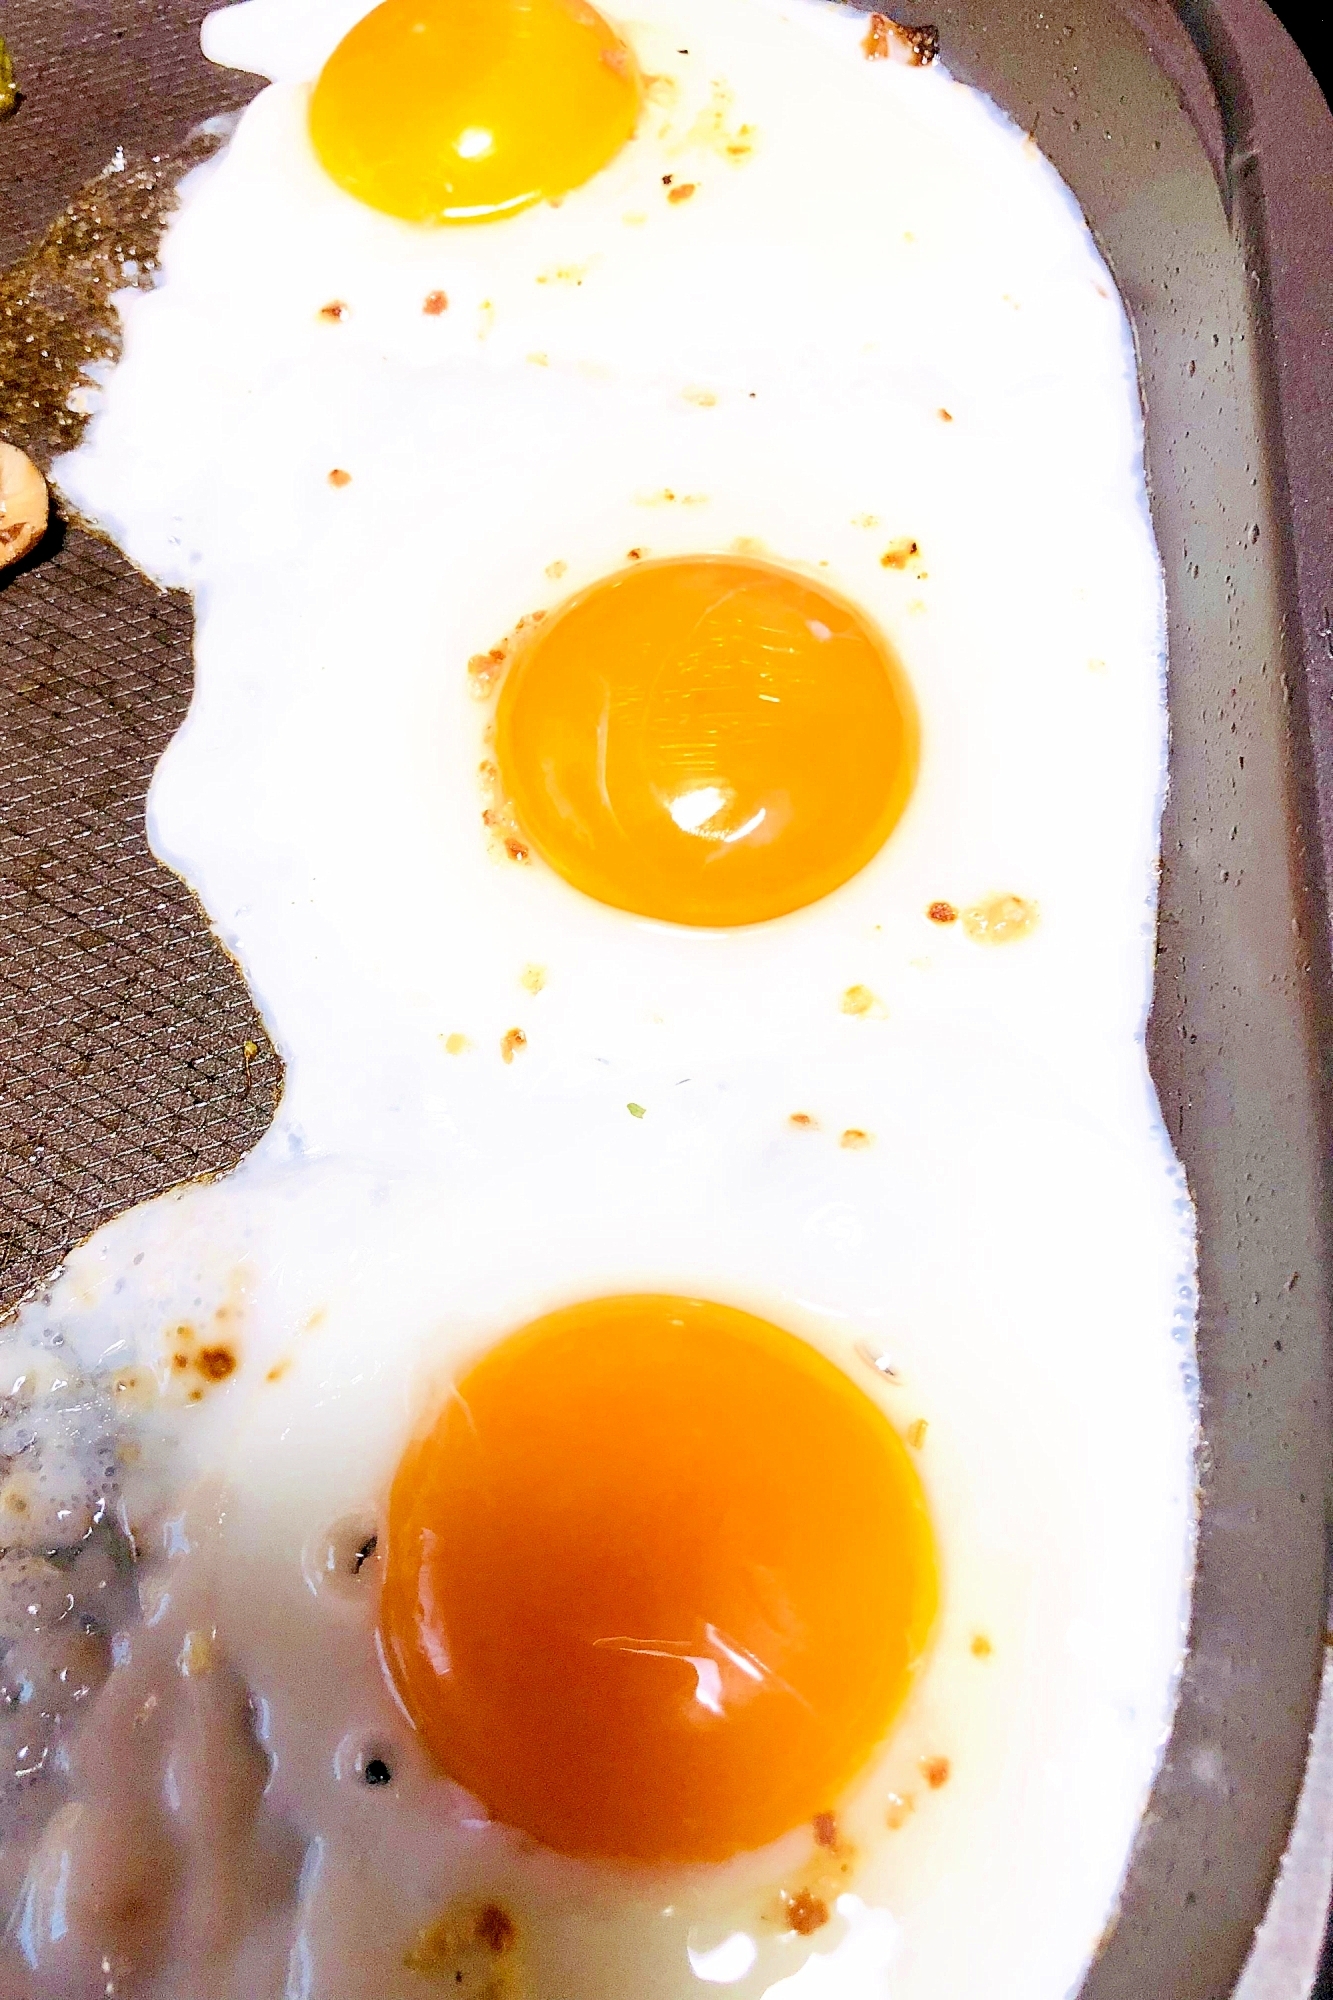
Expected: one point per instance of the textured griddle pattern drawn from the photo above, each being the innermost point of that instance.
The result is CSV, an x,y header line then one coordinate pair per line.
x,y
123,1025
123,1065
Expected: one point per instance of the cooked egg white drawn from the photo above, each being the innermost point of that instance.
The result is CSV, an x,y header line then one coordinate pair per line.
x,y
911,1122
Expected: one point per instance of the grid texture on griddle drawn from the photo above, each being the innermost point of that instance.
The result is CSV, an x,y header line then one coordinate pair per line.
x,y
123,1024
123,1065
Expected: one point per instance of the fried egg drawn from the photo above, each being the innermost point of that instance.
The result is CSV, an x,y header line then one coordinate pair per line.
x,y
671,1463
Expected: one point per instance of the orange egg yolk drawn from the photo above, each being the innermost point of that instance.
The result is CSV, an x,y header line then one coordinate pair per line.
x,y
657,1580
465,110
706,739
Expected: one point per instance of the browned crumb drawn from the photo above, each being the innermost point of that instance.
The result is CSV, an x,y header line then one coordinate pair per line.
x,y
667,180
435,303
876,40
495,1928
802,1121
1000,919
182,1341
942,913
511,1042
277,1371
946,416
916,1433
897,1810
484,669
334,310
855,1140
498,817
634,555
216,1363
935,1771
889,41
339,478
981,1646
682,191
805,1908
900,553
804,1912
460,1949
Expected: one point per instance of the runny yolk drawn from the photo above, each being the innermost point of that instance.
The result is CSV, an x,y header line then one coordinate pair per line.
x,y
657,1579
465,110
707,739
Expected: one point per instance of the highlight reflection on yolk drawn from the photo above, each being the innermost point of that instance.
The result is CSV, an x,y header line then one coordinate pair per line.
x,y
707,740
465,110
656,1580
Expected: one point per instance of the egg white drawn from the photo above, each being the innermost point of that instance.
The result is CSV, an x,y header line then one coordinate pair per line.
x,y
881,319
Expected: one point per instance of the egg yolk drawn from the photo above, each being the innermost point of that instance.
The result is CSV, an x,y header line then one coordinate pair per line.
x,y
706,739
657,1580
465,110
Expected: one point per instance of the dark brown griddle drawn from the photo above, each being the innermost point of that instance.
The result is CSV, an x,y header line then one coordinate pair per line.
x,y
1202,152
123,1027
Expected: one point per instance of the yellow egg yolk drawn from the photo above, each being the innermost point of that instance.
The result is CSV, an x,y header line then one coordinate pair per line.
x,y
657,1580
706,739
466,110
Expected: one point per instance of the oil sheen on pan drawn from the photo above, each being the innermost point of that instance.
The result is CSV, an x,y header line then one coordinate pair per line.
x,y
670,1464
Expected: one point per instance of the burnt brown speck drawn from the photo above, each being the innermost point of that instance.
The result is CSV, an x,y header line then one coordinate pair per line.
x,y
496,1929
806,1913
